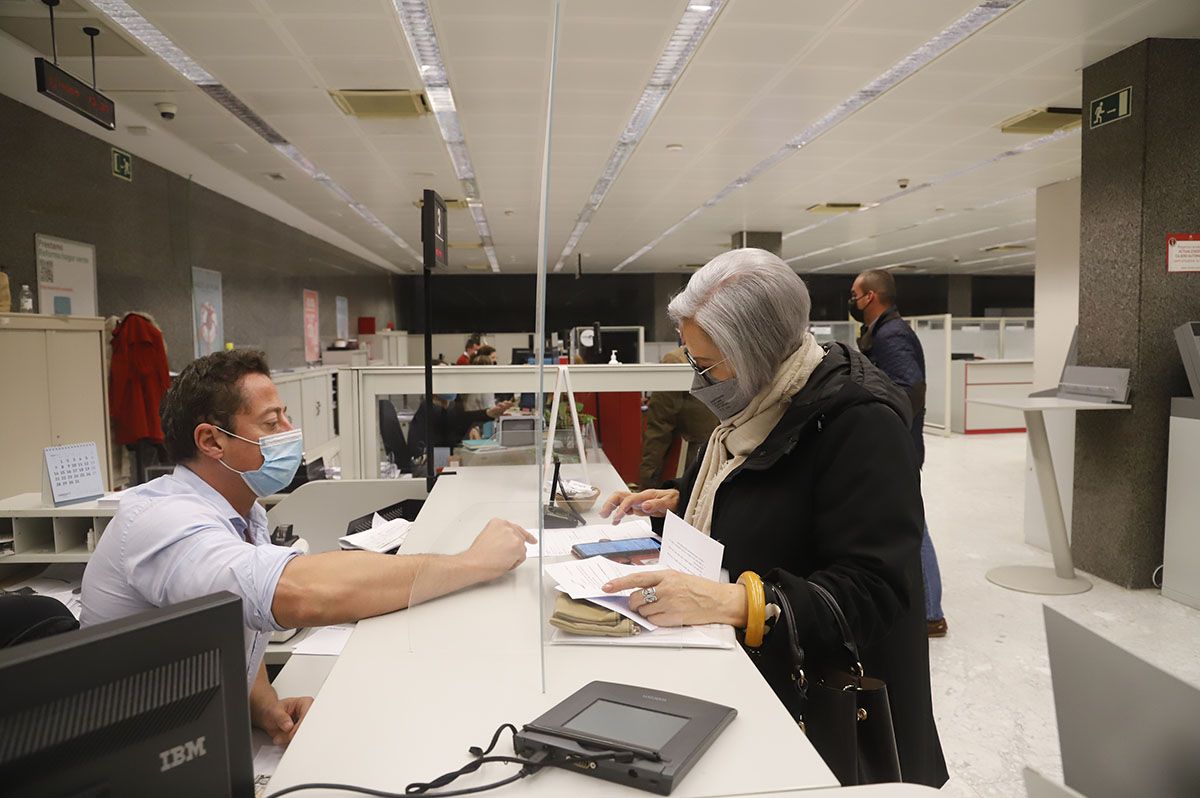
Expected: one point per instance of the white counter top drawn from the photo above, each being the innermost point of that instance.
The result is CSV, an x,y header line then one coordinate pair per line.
x,y
414,689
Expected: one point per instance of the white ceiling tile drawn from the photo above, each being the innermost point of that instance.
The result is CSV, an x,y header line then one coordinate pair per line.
x,y
736,44
234,35
346,36
366,72
340,8
927,16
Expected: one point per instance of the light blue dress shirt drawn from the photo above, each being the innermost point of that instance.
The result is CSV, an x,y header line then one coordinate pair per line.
x,y
176,538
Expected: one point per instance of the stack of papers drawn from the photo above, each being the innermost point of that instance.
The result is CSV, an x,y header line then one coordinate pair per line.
x,y
558,542
684,549
328,641
382,537
61,583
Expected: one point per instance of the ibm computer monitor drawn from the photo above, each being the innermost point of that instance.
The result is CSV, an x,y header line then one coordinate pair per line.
x,y
153,704
1125,727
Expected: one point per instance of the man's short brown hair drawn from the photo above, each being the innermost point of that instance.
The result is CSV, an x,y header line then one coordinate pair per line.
x,y
882,283
206,392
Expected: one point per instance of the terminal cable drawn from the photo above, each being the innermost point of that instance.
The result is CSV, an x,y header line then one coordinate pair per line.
x,y
483,756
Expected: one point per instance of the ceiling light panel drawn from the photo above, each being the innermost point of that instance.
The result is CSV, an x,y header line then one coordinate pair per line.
x,y
923,244
956,32
157,42
691,29
417,22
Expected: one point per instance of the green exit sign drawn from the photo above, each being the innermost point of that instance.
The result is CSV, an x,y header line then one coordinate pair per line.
x,y
122,165
1110,108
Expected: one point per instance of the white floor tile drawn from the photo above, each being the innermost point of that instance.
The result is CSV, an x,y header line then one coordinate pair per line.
x,y
991,677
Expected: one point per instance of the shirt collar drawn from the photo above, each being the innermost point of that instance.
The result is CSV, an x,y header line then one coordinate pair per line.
x,y
887,315
258,516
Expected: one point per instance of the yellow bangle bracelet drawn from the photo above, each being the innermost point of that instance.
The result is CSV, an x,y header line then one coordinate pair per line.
x,y
756,608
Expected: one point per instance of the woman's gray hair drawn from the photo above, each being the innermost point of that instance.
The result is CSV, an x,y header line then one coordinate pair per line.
x,y
753,307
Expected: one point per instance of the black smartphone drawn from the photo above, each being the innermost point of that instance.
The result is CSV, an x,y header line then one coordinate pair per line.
x,y
629,550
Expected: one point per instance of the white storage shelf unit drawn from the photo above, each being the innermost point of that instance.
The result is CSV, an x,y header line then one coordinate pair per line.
x,y
308,395
46,534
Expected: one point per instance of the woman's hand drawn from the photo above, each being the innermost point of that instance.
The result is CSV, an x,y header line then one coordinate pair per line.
x,y
647,502
683,599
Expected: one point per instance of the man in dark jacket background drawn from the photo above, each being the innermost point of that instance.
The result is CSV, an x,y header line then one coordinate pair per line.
x,y
892,345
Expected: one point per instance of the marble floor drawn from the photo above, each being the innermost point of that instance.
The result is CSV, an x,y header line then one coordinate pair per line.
x,y
991,677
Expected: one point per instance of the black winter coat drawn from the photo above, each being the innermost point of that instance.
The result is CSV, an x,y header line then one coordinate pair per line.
x,y
832,495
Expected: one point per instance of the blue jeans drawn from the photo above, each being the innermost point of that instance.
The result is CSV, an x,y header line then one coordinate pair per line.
x,y
933,579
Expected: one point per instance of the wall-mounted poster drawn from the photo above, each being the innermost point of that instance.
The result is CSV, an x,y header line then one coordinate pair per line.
x,y
66,272
312,327
208,317
343,317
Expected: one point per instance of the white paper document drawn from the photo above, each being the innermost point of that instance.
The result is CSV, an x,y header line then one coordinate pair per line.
x,y
684,549
584,579
690,551
328,641
382,538
558,542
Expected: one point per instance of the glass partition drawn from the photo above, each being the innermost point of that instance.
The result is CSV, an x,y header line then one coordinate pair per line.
x,y
844,331
978,338
1016,339
934,334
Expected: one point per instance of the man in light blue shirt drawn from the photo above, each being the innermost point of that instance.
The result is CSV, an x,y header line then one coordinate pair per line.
x,y
200,530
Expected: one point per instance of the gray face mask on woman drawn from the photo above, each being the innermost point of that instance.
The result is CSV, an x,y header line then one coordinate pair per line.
x,y
719,397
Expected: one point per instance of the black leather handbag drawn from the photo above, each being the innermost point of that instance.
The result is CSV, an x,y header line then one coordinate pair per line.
x,y
845,713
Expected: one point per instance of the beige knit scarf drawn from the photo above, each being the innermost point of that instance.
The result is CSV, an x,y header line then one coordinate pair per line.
x,y
733,440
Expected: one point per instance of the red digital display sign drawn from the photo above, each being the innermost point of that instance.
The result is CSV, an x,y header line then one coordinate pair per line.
x,y
63,87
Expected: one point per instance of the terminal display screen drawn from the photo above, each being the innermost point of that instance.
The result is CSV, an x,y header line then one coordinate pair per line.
x,y
633,725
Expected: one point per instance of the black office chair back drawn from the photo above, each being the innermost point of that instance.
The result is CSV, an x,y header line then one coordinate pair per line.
x,y
393,436
26,618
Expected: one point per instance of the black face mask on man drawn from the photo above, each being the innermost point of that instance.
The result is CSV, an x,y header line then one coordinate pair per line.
x,y
856,312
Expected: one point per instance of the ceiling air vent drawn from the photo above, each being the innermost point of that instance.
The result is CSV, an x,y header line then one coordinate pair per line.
x,y
381,103
465,245
451,204
480,266
1041,121
832,208
1005,248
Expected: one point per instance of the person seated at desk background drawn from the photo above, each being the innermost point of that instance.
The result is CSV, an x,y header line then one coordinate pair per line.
x,y
199,530
810,478
484,356
474,341
452,422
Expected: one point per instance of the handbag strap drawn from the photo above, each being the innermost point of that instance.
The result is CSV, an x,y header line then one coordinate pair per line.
x,y
793,638
843,627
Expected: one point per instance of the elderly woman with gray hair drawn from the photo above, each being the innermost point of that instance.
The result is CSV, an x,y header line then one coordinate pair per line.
x,y
810,479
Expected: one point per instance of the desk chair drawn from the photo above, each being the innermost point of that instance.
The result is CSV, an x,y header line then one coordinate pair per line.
x,y
393,436
26,618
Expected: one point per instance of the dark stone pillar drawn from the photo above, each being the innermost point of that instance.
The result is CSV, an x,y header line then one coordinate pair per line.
x,y
1140,182
958,295
771,241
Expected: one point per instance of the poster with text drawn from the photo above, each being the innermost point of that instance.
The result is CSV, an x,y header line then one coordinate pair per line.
x,y
312,327
66,276
1183,252
343,317
208,315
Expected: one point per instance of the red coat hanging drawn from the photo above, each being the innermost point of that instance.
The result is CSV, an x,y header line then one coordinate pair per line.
x,y
138,380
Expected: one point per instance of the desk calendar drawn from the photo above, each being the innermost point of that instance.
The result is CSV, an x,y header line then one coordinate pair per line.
x,y
72,474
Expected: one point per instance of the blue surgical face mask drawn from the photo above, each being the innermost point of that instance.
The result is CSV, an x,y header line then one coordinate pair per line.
x,y
447,397
281,453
